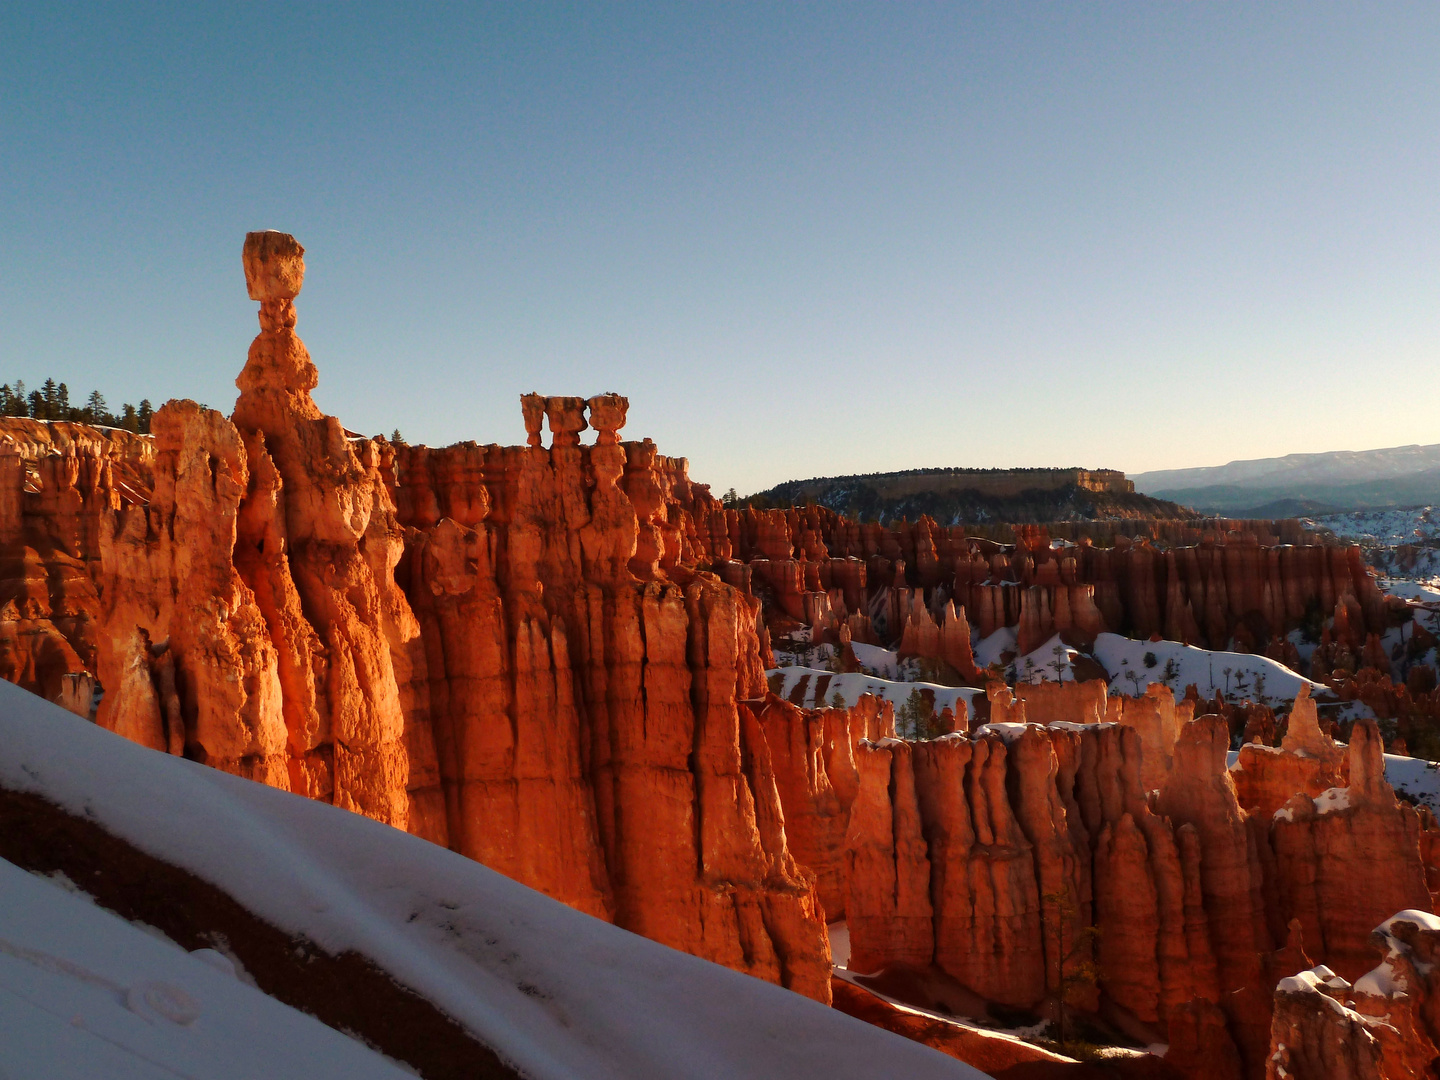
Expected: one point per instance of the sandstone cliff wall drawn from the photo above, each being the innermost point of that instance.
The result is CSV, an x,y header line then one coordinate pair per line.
x,y
990,856
509,650
1226,587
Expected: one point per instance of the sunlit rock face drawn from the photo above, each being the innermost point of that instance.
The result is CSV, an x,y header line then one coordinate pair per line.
x,y
509,650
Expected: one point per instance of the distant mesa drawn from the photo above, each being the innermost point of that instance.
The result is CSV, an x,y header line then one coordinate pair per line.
x,y
976,496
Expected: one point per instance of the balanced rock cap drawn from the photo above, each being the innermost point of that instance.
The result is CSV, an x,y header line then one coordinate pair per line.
x,y
274,265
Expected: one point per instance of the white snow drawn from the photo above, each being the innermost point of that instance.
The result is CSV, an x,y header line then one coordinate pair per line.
x,y
1335,798
1427,592
1008,732
1125,661
1052,662
851,686
596,1001
1381,981
877,661
1417,779
1414,778
1423,919
998,648
83,993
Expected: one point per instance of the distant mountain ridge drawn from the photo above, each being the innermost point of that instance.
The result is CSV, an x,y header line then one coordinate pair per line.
x,y
1309,483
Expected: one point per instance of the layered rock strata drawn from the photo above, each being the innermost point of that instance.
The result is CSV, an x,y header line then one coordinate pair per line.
x,y
1010,858
909,581
589,688
509,650
1386,1026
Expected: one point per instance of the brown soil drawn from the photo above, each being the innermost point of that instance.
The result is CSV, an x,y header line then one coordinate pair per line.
x,y
348,992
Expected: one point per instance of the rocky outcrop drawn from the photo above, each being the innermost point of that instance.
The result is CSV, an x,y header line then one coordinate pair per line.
x,y
59,482
1384,1027
587,687
1240,582
1159,719
509,650
990,1051
1083,702
354,654
1035,842
813,755
185,655
1306,762
1348,857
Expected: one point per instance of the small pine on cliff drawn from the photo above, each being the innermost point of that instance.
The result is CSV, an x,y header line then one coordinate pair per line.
x,y
963,496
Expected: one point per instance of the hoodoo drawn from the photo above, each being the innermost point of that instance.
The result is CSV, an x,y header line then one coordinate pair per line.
x,y
508,650
552,659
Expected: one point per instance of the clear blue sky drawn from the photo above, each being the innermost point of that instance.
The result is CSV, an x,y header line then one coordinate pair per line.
x,y
804,239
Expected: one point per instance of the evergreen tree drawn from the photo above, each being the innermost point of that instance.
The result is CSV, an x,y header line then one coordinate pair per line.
x,y
143,414
62,403
36,406
128,418
49,400
96,411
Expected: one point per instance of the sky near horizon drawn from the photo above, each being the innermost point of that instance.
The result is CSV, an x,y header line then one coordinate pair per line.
x,y
804,239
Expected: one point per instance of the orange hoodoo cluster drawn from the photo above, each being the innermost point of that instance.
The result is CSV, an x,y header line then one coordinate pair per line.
x,y
551,659
509,650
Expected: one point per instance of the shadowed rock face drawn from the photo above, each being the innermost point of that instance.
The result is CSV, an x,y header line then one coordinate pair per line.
x,y
1383,1027
914,583
506,650
992,856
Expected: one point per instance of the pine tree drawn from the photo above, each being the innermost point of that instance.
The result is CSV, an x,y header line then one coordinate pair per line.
x,y
96,411
62,403
1075,965
128,418
143,414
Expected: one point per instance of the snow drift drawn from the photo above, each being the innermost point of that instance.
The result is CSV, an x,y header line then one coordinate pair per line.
x,y
553,992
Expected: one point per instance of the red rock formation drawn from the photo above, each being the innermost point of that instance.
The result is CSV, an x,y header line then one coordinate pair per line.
x,y
984,1050
1208,587
1047,703
560,695
813,755
1014,837
1159,719
1384,1027
336,524
185,656
58,483
629,778
1307,761
1348,857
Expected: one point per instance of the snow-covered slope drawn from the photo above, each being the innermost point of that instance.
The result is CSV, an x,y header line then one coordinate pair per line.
x,y
1134,665
84,993
1402,545
554,992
